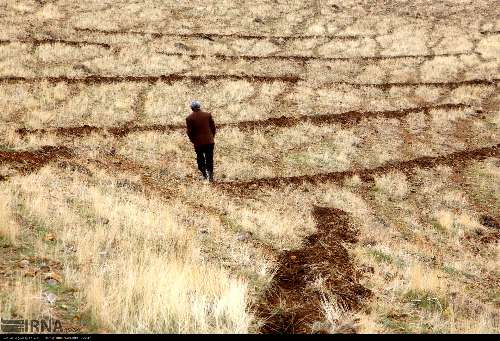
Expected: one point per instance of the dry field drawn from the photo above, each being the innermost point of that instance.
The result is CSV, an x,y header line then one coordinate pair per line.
x,y
357,166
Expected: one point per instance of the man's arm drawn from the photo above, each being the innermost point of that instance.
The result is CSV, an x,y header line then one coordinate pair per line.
x,y
212,124
189,130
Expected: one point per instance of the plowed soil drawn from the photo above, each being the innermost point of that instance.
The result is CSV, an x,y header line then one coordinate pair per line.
x,y
30,161
291,305
308,58
98,79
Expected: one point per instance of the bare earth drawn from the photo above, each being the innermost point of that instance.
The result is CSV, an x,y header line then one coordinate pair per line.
x,y
357,163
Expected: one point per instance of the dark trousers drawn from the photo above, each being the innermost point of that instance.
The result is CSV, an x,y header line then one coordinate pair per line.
x,y
205,159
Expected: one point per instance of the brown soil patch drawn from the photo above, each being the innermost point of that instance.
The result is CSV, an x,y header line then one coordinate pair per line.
x,y
490,32
291,305
30,161
483,237
489,221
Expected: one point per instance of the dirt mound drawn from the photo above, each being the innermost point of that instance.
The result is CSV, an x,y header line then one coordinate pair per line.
x,y
291,305
29,161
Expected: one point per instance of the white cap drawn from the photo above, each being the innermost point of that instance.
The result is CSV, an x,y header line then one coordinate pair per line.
x,y
195,105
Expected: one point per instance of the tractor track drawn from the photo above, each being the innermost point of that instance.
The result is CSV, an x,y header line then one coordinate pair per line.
x,y
345,119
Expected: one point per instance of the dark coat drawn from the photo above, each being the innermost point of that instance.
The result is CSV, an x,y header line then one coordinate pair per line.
x,y
200,128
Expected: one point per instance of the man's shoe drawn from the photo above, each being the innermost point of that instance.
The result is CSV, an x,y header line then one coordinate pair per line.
x,y
210,176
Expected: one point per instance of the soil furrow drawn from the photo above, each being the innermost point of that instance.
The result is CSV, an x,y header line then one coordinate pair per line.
x,y
291,305
38,42
225,57
99,79
388,85
210,36
27,162
345,119
425,162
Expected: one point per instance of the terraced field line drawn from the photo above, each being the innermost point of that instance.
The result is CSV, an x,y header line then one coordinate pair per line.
x,y
101,79
78,43
210,36
366,174
308,58
38,42
490,32
30,161
386,86
346,119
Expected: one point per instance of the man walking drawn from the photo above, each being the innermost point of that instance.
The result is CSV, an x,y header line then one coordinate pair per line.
x,y
201,132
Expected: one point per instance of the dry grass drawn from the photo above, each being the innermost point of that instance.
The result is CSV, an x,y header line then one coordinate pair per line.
x,y
431,284
24,299
141,246
136,259
8,227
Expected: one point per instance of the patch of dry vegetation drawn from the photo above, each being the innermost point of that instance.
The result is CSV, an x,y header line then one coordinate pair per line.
x,y
436,274
125,238
144,267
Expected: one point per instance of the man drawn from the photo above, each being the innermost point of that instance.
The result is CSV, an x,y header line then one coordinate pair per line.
x,y
201,132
